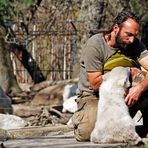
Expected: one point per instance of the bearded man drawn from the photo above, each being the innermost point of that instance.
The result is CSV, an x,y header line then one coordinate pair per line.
x,y
103,51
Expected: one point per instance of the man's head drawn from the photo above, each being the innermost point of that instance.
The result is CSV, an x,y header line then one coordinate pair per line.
x,y
125,28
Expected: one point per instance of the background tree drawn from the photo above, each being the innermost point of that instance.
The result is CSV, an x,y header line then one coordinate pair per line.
x,y
14,10
7,79
89,16
98,14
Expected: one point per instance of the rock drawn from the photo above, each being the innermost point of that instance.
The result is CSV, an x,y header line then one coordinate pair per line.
x,y
11,122
4,135
49,96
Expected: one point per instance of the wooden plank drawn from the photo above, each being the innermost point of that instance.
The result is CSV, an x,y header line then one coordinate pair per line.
x,y
60,136
37,131
60,141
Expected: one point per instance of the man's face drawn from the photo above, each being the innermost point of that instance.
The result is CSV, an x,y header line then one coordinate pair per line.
x,y
120,43
127,34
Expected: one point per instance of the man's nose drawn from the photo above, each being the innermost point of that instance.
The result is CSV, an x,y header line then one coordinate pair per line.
x,y
131,39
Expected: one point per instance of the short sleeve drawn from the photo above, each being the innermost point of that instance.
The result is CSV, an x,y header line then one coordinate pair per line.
x,y
143,51
93,56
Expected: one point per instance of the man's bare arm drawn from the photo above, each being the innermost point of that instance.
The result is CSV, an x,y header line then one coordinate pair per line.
x,y
95,80
144,63
135,92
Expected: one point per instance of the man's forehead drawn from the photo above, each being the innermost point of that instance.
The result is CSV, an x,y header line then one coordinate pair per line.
x,y
127,23
130,22
131,27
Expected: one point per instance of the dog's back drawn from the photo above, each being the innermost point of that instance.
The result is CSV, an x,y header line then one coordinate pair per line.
x,y
112,91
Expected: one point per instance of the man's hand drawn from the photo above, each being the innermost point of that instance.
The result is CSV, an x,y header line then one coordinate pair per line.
x,y
133,92
135,71
133,95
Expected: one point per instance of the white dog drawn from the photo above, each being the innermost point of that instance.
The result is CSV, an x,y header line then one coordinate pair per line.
x,y
113,123
69,98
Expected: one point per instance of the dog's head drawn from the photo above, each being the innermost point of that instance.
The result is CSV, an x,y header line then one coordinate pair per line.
x,y
119,76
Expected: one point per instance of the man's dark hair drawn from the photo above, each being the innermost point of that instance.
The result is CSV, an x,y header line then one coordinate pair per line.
x,y
123,16
119,19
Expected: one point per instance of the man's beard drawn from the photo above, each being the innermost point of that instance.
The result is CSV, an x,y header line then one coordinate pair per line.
x,y
120,43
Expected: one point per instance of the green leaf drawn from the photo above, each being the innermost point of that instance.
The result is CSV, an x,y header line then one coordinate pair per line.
x,y
27,2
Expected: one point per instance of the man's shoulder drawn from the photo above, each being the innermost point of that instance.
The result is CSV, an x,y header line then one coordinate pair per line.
x,y
96,36
95,39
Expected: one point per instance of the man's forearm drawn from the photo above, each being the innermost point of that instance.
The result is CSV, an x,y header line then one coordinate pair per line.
x,y
98,83
95,80
144,83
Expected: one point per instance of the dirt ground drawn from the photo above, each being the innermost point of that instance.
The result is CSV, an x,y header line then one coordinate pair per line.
x,y
41,107
55,137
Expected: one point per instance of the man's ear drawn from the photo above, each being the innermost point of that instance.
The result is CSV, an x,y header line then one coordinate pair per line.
x,y
116,28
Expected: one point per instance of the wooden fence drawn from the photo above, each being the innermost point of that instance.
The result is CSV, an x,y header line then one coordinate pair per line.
x,y
53,47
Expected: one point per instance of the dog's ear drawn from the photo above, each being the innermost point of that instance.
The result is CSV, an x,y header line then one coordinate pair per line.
x,y
124,82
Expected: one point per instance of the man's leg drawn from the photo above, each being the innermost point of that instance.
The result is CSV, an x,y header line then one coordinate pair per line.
x,y
141,105
84,119
144,111
145,122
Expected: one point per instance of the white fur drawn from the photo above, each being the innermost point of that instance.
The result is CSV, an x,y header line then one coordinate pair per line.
x,y
69,97
70,105
69,91
113,123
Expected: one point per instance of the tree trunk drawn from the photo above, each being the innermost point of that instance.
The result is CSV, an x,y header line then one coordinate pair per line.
x,y
7,78
93,14
125,4
28,62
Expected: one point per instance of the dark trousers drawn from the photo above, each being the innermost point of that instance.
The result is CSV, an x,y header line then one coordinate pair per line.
x,y
141,105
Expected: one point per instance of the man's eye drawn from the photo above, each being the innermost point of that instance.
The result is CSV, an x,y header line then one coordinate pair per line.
x,y
130,34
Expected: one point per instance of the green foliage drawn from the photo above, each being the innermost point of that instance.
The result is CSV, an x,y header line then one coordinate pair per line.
x,y
9,9
140,8
27,2
6,9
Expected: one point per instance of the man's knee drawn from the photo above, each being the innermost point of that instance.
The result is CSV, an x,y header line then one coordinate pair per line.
x,y
82,132
84,119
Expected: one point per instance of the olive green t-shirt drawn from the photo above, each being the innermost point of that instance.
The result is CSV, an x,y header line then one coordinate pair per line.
x,y
96,52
